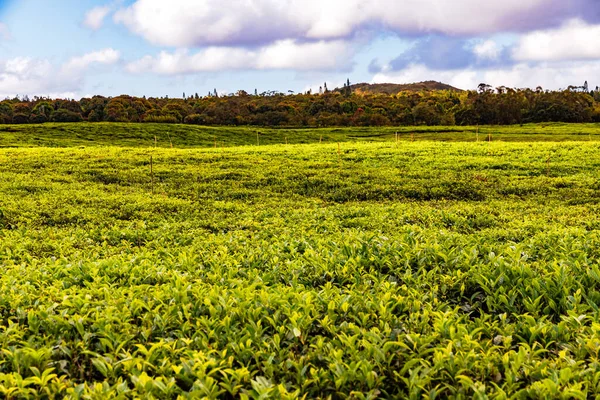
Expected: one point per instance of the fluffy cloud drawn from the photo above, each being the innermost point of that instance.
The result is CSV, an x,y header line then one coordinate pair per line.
x,y
25,75
487,50
94,18
188,23
107,57
284,54
575,40
30,76
547,75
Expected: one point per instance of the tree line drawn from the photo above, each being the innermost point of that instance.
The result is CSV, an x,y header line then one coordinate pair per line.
x,y
485,106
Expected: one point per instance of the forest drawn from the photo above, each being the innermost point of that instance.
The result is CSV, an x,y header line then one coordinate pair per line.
x,y
485,106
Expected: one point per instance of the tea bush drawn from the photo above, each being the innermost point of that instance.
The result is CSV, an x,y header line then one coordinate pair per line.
x,y
299,271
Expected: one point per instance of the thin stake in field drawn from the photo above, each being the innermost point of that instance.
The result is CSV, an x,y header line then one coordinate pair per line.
x,y
412,136
489,136
257,139
152,175
155,141
396,138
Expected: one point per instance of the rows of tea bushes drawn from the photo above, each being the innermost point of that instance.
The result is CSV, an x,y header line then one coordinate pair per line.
x,y
193,136
300,271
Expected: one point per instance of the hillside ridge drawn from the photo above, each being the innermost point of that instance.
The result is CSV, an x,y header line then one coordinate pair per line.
x,y
393,88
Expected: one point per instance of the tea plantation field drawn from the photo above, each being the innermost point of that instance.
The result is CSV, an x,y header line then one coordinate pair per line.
x,y
363,270
193,136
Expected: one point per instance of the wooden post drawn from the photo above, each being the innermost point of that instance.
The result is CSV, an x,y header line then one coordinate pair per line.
x,y
412,137
257,139
151,174
489,137
155,141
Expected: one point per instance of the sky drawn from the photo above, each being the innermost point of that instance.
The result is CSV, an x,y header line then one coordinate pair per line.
x,y
80,48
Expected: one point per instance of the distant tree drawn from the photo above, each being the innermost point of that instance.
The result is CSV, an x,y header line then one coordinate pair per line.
x,y
484,88
22,108
41,112
6,113
347,90
64,115
20,118
426,114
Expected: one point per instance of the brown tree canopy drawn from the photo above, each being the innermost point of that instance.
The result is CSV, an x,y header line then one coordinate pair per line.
x,y
337,108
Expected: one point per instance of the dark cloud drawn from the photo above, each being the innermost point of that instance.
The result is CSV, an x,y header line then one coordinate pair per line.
x,y
553,13
375,66
444,53
436,52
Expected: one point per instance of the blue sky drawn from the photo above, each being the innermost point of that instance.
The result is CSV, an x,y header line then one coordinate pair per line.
x,y
75,48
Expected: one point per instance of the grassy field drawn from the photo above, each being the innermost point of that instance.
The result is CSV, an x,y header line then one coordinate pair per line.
x,y
358,270
186,136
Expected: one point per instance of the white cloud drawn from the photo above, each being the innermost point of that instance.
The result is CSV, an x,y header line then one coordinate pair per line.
x,y
322,55
488,50
94,18
30,76
188,23
25,75
547,75
105,56
284,54
575,40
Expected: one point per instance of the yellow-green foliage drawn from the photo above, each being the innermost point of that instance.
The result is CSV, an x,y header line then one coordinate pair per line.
x,y
412,270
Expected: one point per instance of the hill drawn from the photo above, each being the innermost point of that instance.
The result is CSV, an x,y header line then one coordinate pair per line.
x,y
393,88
